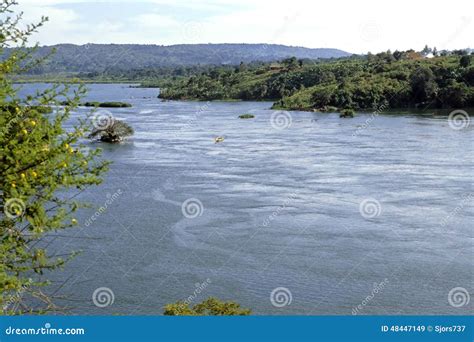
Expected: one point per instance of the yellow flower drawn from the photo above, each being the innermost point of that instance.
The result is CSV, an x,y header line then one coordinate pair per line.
x,y
23,175
17,109
64,165
33,123
34,174
74,221
24,131
71,150
13,185
66,146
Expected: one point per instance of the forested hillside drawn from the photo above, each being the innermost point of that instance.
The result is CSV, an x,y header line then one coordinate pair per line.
x,y
99,58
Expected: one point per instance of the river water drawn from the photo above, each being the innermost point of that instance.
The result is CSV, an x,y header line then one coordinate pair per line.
x,y
370,215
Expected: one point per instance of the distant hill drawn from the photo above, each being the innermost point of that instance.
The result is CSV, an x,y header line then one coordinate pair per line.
x,y
100,57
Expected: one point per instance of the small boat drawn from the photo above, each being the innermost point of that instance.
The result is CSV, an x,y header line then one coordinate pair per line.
x,y
218,139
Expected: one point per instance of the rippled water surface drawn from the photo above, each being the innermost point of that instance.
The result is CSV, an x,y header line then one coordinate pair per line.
x,y
280,208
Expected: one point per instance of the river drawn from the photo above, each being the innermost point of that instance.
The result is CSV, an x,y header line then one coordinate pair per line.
x,y
328,214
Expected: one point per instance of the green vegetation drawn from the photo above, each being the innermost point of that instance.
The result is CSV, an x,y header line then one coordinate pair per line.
x,y
246,116
403,79
209,307
101,104
42,168
113,104
113,131
39,108
347,113
119,62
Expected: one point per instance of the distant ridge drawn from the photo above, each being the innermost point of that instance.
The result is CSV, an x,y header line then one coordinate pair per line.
x,y
98,57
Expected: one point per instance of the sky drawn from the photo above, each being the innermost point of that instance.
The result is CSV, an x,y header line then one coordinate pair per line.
x,y
357,26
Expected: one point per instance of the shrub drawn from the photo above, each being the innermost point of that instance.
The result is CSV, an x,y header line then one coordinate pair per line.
x,y
347,113
209,307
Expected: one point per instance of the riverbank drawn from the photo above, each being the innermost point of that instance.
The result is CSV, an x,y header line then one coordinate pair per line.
x,y
381,81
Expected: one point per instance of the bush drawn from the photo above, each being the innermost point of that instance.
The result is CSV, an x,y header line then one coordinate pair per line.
x,y
347,113
209,307
328,109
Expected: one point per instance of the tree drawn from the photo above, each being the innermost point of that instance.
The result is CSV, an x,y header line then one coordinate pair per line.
x,y
423,84
465,61
209,307
291,63
398,55
426,50
42,167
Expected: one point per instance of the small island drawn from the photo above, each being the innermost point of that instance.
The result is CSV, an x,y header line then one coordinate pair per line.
x,y
110,104
246,116
115,132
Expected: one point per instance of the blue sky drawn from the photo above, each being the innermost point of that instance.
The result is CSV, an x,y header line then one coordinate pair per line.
x,y
355,26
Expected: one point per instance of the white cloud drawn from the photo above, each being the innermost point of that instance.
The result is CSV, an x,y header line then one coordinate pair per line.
x,y
154,20
355,26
